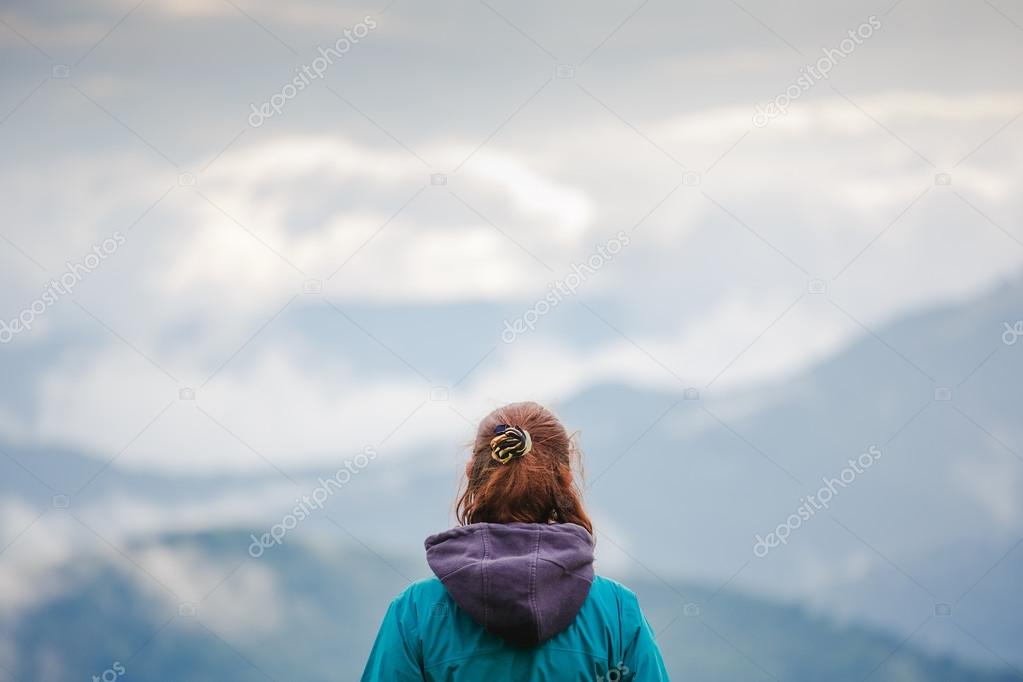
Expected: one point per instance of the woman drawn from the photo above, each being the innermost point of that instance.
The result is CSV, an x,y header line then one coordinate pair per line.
x,y
515,597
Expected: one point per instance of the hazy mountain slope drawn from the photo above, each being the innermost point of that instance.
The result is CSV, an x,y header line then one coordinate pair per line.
x,y
312,616
711,474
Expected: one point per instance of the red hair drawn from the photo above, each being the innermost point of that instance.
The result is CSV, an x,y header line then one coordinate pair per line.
x,y
538,487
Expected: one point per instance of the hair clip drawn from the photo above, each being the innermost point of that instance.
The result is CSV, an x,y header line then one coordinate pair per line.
x,y
510,441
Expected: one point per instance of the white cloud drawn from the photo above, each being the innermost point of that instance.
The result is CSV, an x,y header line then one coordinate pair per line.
x,y
37,545
296,407
321,200
992,485
243,603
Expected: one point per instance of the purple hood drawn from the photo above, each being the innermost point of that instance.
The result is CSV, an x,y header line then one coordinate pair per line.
x,y
524,582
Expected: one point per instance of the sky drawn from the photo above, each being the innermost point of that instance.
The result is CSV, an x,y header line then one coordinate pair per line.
x,y
344,271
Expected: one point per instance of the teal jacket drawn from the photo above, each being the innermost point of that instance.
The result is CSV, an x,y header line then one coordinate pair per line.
x,y
514,602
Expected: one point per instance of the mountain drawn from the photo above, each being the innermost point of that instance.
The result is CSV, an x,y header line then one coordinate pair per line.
x,y
309,613
936,520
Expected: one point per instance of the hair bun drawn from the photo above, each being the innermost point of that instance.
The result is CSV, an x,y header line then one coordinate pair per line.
x,y
510,441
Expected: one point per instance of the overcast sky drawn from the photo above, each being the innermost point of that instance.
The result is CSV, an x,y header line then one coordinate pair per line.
x,y
316,277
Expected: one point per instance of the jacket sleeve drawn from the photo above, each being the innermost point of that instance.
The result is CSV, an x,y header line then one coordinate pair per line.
x,y
642,656
396,654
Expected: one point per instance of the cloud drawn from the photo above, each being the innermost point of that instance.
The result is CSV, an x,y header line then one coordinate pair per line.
x,y
709,270
993,486
34,546
245,604
294,405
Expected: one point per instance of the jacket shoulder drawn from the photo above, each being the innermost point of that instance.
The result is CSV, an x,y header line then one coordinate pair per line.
x,y
611,597
421,594
607,588
425,588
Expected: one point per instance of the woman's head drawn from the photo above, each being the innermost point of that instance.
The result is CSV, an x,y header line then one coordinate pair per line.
x,y
535,486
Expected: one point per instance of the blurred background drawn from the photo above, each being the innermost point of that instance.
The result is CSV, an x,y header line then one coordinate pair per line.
x,y
263,266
